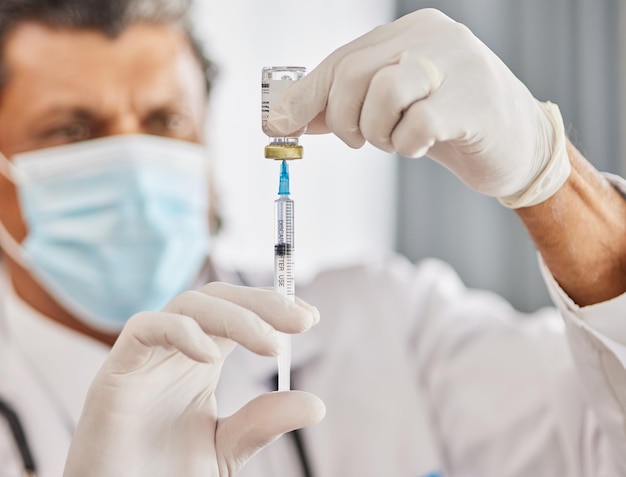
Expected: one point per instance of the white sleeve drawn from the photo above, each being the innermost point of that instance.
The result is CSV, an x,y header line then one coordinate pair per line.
x,y
597,336
515,395
505,394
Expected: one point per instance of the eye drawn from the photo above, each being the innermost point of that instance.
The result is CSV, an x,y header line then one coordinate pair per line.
x,y
76,132
168,124
73,132
174,122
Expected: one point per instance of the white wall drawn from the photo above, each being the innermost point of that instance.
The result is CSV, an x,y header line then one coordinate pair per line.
x,y
344,198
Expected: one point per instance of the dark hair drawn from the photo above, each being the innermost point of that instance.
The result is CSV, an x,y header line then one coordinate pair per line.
x,y
110,17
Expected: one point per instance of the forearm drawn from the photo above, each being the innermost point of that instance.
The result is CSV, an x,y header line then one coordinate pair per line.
x,y
581,234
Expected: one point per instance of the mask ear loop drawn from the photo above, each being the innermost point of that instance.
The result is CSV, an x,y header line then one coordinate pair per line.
x,y
12,247
8,170
7,242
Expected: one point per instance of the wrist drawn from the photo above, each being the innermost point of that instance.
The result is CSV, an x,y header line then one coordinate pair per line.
x,y
580,233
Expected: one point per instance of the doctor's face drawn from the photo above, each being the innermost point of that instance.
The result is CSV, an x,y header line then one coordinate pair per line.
x,y
69,85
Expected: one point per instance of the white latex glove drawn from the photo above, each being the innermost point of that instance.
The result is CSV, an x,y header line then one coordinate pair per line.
x,y
151,410
425,84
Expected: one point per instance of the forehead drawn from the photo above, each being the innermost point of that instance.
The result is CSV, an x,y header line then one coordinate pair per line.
x,y
35,47
42,59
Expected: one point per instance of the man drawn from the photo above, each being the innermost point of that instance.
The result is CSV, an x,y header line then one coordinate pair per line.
x,y
420,376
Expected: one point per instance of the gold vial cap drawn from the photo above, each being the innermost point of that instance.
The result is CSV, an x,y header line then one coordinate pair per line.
x,y
283,152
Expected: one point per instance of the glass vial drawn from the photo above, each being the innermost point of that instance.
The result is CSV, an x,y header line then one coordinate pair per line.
x,y
274,81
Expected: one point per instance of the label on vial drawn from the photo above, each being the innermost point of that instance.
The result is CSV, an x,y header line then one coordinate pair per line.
x,y
271,91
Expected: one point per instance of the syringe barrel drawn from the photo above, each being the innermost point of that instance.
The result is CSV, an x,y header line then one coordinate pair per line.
x,y
284,280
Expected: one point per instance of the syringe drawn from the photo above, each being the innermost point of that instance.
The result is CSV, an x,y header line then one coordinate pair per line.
x,y
274,82
284,281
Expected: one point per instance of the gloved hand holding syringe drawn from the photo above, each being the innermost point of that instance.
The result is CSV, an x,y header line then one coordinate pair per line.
x,y
274,82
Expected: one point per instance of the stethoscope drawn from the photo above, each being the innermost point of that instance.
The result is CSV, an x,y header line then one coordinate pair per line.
x,y
15,425
301,451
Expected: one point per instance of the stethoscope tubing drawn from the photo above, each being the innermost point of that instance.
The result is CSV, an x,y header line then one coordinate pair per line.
x,y
19,436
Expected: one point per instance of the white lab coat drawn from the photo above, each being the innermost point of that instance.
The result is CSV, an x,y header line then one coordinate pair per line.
x,y
417,373
415,368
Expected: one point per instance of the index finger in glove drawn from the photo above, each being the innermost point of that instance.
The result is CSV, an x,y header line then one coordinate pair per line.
x,y
276,309
251,317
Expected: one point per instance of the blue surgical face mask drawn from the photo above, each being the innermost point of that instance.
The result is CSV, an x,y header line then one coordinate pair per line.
x,y
115,225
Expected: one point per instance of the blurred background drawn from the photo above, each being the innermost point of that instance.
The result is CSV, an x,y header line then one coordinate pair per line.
x,y
353,204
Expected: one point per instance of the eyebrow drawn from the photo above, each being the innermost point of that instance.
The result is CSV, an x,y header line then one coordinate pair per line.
x,y
78,112
86,113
